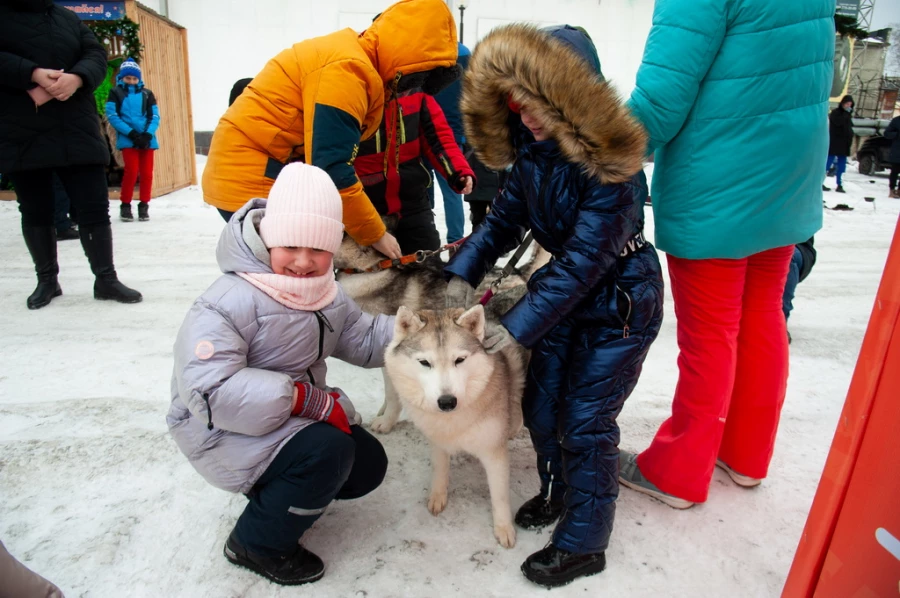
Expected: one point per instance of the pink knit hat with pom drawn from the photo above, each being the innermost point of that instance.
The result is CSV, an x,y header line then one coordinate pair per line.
x,y
304,210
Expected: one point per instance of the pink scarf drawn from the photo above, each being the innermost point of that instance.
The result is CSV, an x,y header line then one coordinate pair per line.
x,y
305,294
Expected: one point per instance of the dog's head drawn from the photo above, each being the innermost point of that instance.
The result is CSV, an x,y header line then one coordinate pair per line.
x,y
436,360
353,255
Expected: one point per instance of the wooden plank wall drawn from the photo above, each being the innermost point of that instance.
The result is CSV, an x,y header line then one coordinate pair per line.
x,y
165,70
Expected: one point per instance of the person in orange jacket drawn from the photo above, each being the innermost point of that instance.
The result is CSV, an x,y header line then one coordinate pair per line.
x,y
316,101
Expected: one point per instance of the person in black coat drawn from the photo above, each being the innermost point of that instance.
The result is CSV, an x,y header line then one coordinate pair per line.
x,y
50,63
840,133
893,133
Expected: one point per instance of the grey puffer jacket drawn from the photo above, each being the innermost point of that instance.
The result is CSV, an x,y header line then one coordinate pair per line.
x,y
238,354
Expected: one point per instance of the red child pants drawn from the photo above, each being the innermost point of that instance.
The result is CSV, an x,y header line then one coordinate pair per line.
x,y
137,161
733,369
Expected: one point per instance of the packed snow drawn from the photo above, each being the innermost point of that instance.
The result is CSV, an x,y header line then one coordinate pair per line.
x,y
95,495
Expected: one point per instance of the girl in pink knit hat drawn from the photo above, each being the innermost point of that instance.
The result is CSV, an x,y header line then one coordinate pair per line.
x,y
250,406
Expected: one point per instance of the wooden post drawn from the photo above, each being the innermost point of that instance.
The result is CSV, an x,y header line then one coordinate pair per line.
x,y
190,105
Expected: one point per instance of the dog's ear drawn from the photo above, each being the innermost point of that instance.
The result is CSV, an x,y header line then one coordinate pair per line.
x,y
407,322
473,320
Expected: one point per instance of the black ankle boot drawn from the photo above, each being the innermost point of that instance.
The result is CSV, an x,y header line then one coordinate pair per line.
x,y
41,243
97,244
538,512
290,570
143,211
553,567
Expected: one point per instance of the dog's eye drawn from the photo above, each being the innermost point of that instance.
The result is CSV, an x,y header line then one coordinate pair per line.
x,y
425,363
459,360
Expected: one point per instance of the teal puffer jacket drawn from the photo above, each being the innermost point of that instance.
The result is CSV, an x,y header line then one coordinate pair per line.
x,y
734,97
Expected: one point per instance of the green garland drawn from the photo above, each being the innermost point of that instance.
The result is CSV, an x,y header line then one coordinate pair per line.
x,y
101,94
124,28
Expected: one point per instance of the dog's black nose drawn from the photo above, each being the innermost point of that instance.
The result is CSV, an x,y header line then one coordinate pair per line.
x,y
447,402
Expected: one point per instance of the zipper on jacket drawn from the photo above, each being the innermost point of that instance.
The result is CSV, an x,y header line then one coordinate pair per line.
x,y
427,174
402,127
209,425
626,330
323,323
548,172
312,379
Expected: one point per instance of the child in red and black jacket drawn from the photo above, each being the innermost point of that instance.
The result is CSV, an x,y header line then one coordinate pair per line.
x,y
391,168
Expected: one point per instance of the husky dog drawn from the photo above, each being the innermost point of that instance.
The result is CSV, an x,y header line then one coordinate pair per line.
x,y
460,397
419,285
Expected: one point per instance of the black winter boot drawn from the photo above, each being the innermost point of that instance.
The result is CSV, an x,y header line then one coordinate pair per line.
x,y
41,243
97,244
553,567
125,213
143,211
291,570
538,512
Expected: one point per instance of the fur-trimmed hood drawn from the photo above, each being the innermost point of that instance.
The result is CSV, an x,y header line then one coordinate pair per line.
x,y
581,112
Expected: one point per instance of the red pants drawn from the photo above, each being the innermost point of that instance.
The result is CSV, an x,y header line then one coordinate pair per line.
x,y
733,369
137,160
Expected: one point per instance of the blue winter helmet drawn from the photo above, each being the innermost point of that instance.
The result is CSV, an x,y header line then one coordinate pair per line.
x,y
129,68
579,40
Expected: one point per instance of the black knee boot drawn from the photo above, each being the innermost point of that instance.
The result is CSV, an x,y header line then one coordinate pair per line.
x,y
97,244
41,243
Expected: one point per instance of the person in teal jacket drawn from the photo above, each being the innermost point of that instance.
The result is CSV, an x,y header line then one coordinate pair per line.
x,y
733,95
132,111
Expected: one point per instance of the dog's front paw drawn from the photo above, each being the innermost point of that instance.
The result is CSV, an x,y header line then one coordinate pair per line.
x,y
437,502
383,424
505,534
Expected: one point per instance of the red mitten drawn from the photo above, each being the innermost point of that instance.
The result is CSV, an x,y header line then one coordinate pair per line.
x,y
315,403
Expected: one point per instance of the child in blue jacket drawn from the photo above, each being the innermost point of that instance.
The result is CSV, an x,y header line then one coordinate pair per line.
x,y
536,98
132,111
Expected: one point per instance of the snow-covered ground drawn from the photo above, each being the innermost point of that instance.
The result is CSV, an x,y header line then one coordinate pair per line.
x,y
95,495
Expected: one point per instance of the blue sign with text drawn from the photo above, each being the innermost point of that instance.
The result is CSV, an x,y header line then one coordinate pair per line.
x,y
95,11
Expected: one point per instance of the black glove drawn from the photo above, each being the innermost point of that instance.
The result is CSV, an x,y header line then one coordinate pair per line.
x,y
134,136
144,140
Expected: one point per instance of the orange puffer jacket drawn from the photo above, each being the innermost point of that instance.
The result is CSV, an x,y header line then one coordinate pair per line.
x,y
315,101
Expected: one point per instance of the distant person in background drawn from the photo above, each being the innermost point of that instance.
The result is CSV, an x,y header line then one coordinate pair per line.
x,y
50,64
238,88
893,133
721,79
66,229
840,136
448,100
490,184
132,111
802,262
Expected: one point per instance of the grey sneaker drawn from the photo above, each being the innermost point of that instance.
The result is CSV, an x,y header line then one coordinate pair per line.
x,y
630,475
737,478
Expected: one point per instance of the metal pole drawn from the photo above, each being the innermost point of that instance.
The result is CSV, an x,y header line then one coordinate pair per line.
x,y
462,10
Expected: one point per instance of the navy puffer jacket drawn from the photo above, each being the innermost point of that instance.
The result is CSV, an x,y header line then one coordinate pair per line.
x,y
581,193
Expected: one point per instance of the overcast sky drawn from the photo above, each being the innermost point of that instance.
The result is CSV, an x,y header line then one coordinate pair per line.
x,y
886,13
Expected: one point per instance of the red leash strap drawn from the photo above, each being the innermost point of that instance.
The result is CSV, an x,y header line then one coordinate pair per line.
x,y
413,258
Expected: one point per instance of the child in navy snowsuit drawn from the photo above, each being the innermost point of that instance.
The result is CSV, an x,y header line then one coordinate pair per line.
x,y
132,111
591,314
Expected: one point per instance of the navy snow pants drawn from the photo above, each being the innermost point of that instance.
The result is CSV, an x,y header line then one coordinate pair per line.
x,y
319,464
577,382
